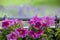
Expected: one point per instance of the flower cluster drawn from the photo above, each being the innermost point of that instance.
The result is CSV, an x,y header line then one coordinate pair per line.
x,y
7,23
18,33
45,21
35,31
39,24
36,35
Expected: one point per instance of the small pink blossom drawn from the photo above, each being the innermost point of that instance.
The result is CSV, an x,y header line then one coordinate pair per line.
x,y
39,33
36,22
33,20
18,21
35,35
21,32
12,36
7,23
49,20
37,25
32,34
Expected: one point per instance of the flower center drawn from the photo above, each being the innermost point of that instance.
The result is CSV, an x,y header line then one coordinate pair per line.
x,y
13,36
38,24
21,31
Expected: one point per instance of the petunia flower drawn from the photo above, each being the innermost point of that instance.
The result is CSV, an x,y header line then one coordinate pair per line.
x,y
35,35
12,36
39,33
33,20
49,20
21,32
18,21
36,22
7,23
37,25
32,34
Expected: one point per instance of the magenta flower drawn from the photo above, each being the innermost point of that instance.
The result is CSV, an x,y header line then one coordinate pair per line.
x,y
44,25
32,34
33,20
36,22
7,23
12,36
18,21
35,35
39,33
50,21
21,32
37,25
12,22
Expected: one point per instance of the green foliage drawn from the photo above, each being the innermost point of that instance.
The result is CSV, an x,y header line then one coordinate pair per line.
x,y
5,32
48,33
15,26
19,38
28,38
57,33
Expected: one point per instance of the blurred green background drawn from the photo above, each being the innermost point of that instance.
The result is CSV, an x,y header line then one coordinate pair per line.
x,y
5,3
33,2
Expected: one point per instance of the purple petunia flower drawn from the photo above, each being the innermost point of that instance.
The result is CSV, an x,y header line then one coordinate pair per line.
x,y
33,20
50,21
12,36
36,22
35,35
21,32
39,33
44,25
18,21
32,34
7,23
37,25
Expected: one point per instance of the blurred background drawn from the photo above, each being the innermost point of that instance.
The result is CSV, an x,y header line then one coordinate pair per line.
x,y
29,8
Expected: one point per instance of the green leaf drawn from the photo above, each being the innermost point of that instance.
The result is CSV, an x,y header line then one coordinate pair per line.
x,y
19,38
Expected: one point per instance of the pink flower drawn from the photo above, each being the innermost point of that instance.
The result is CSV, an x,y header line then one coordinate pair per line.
x,y
18,21
37,25
36,22
35,35
11,21
32,34
44,25
33,20
21,32
12,36
39,33
7,23
50,21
